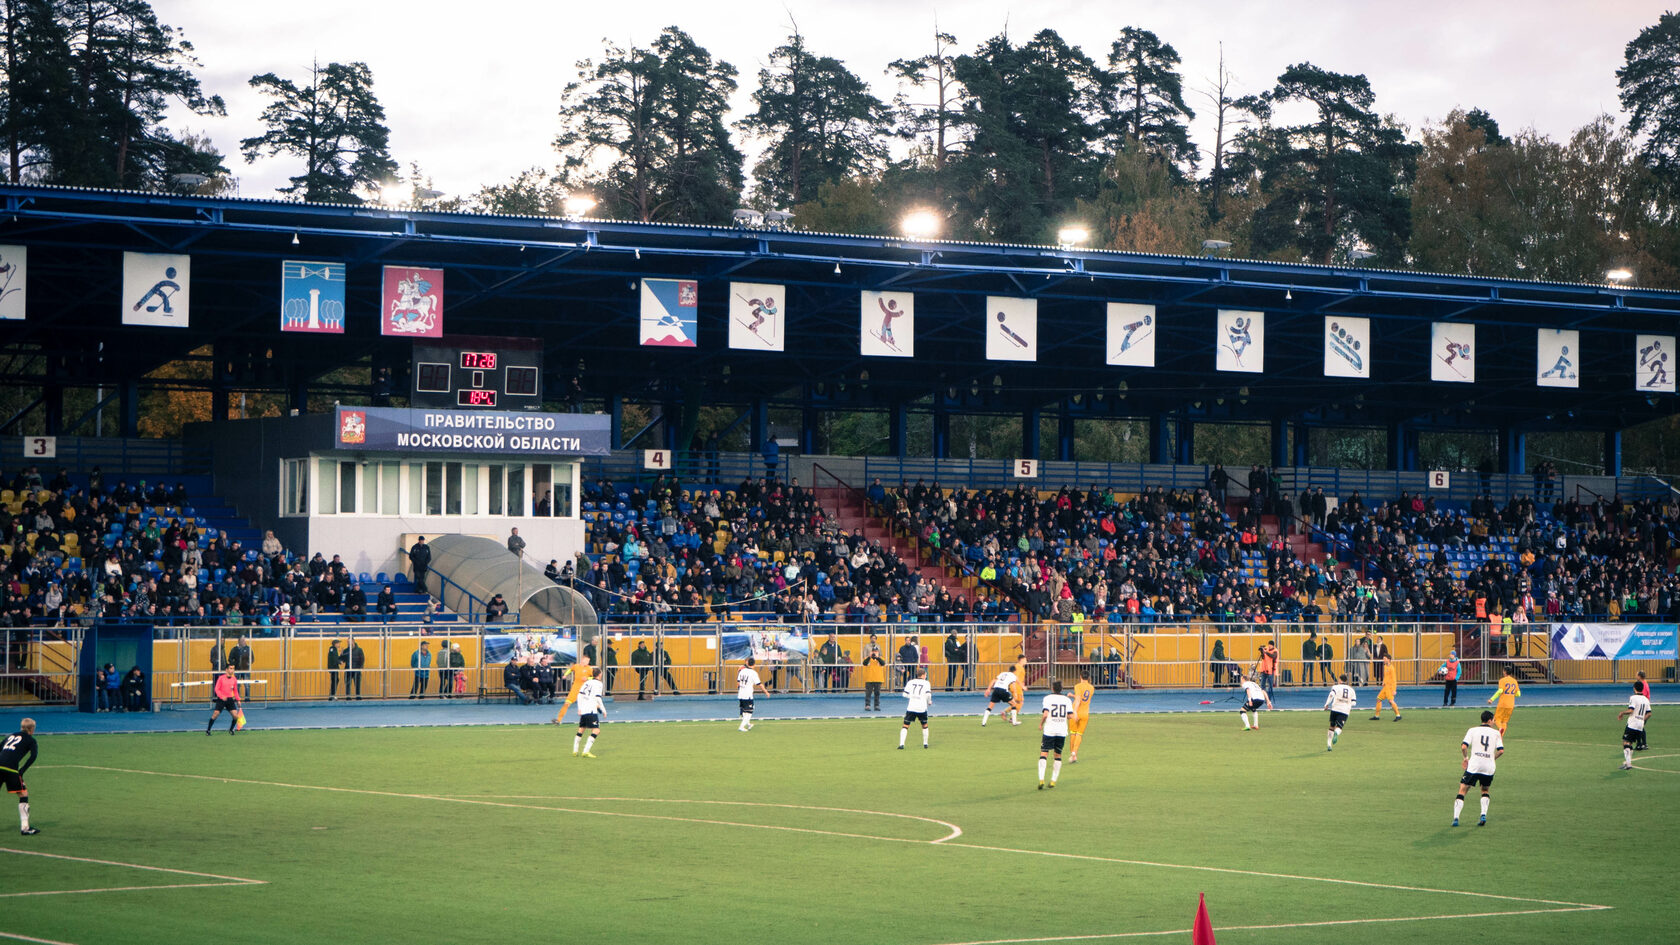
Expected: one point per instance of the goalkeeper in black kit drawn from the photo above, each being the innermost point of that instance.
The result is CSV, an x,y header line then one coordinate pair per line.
x,y
17,753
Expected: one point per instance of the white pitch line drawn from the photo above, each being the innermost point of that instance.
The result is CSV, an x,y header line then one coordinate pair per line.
x,y
1565,906
1291,876
104,889
28,938
1657,770
487,803
1283,925
231,880
954,834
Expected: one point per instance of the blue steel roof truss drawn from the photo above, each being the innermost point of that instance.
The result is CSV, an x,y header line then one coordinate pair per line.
x,y
573,284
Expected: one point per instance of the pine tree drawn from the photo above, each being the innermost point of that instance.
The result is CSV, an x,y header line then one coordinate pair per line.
x,y
334,123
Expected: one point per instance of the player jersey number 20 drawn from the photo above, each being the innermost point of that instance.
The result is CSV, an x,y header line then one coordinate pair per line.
x,y
1058,711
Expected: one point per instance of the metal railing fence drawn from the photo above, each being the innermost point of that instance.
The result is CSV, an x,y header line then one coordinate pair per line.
x,y
656,660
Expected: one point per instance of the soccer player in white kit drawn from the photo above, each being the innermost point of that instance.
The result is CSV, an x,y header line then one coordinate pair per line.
x,y
591,703
1481,748
1053,723
745,681
999,692
1340,702
919,694
1637,711
1253,698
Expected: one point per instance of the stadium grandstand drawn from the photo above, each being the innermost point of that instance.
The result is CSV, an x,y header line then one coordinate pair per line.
x,y
559,417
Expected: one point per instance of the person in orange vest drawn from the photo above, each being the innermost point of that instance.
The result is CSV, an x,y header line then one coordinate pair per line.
x,y
1268,667
1449,672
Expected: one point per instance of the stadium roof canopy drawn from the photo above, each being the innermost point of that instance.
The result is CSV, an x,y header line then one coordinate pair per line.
x,y
574,284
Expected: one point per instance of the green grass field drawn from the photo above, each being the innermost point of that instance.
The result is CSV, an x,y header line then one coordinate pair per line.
x,y
694,832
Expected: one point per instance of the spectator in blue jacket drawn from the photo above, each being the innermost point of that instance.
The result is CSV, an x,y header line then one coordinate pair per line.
x,y
421,662
109,681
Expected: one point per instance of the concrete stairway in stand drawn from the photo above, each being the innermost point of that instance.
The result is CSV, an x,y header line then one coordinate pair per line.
x,y
846,508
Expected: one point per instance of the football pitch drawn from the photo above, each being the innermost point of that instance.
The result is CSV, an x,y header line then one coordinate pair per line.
x,y
822,832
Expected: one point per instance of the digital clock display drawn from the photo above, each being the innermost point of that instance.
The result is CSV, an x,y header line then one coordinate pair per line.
x,y
467,397
478,360
521,381
432,377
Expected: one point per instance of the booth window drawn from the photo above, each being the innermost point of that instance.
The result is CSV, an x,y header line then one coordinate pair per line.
x,y
347,488
434,488
495,483
326,487
295,500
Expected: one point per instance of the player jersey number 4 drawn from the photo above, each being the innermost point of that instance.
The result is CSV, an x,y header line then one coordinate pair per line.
x,y
1484,743
1060,709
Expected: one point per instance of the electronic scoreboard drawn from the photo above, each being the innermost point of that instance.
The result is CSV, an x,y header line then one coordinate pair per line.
x,y
475,372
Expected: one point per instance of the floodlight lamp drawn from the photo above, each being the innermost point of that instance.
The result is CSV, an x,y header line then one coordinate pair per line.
x,y
426,193
746,216
1360,255
578,205
1214,246
777,218
1073,236
920,224
1619,275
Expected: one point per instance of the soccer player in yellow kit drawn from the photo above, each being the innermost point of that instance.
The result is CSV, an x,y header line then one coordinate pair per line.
x,y
581,673
1082,692
1507,694
1018,688
1386,694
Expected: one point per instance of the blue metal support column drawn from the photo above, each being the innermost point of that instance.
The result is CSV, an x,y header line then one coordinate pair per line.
x,y
669,411
1280,442
760,424
808,425
1064,433
1513,450
1186,452
1029,433
897,438
615,409
1160,441
1301,451
1402,447
130,408
941,433
1613,453
52,399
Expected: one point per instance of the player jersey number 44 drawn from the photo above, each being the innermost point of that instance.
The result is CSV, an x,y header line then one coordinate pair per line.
x,y
1059,709
1641,707
745,680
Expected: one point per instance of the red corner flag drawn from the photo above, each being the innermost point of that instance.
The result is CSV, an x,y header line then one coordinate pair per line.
x,y
1202,933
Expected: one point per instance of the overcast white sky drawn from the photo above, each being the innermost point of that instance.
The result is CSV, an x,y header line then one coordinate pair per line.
x,y
471,89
